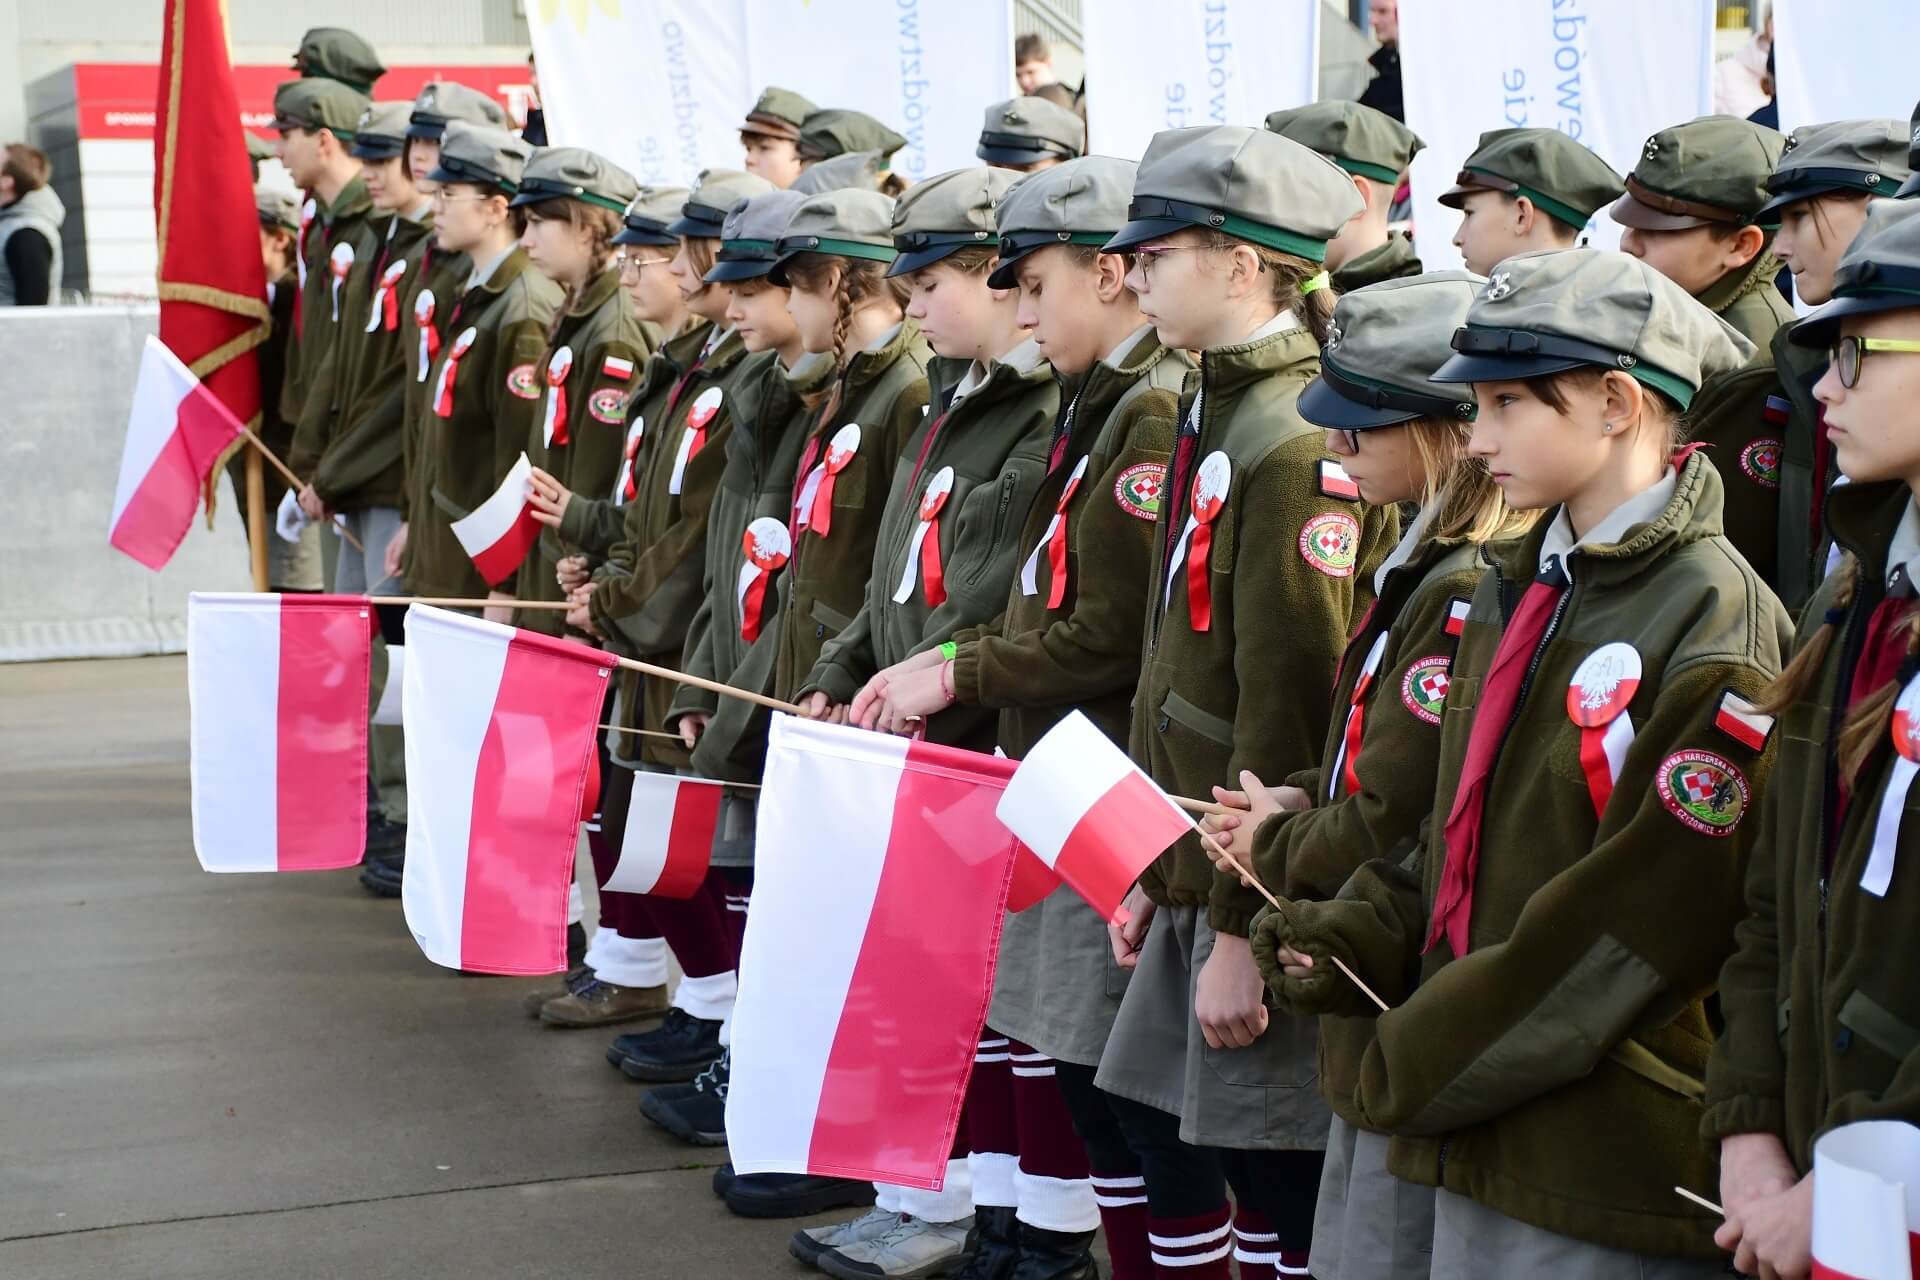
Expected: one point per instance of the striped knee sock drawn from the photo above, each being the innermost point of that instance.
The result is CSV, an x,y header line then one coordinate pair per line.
x,y
1256,1247
1195,1248
1122,1199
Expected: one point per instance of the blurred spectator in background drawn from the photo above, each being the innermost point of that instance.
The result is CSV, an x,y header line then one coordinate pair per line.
x,y
1383,93
534,132
1743,80
30,218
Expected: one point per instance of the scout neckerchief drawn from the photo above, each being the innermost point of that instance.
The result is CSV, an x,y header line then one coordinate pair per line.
x,y
1054,539
767,546
1180,476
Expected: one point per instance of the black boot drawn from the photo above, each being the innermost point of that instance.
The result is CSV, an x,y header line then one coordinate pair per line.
x,y
1054,1255
995,1243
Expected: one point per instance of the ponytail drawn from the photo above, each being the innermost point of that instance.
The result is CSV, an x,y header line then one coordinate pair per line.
x,y
1298,285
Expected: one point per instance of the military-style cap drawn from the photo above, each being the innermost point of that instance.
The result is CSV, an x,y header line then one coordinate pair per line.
x,y
857,169
834,131
1029,130
1880,271
1387,340
650,213
556,173
381,131
1561,177
1358,138
1709,171
746,242
277,207
319,104
1911,187
1083,201
1868,157
1558,309
443,101
704,216
851,222
779,113
945,214
1248,183
334,53
482,155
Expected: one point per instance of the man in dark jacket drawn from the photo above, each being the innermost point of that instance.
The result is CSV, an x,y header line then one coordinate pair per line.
x,y
1383,92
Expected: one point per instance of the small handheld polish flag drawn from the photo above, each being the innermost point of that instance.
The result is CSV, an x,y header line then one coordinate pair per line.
x,y
500,531
176,433
1866,1202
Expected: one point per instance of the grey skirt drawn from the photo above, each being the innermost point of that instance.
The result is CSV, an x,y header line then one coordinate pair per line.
x,y
1368,1224
1057,987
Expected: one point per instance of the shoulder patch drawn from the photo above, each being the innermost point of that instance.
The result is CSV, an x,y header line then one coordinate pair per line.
x,y
1760,461
1330,543
1778,410
615,367
608,405
1457,615
1703,790
522,381
1336,483
1423,691
1139,488
1737,718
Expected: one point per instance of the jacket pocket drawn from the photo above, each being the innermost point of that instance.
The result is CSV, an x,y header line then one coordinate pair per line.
x,y
1209,726
1879,1026
834,622
990,550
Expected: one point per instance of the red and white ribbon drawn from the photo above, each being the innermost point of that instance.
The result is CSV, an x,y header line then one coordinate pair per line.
x,y
1054,543
1597,698
627,487
1195,548
554,425
767,546
1344,778
813,509
1878,877
923,552
340,263
694,438
429,336
308,212
385,311
450,371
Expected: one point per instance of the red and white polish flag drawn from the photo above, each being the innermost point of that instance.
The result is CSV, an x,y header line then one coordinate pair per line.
x,y
880,875
500,768
1089,812
175,435
668,844
500,531
277,691
1866,1202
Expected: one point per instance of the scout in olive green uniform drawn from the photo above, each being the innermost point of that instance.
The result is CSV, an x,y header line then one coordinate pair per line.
x,y
1819,998
1598,758
1526,189
1376,149
1263,564
1029,134
483,395
334,53
1844,166
771,135
1694,192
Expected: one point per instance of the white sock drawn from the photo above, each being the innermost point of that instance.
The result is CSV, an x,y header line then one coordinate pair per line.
x,y
628,962
710,998
952,1203
576,904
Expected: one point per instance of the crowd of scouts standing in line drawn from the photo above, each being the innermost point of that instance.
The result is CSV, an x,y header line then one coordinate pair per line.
x,y
1546,628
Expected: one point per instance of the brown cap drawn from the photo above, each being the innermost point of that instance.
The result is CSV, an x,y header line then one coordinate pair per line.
x,y
778,114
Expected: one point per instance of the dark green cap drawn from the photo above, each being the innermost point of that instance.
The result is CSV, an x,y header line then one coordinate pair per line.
x,y
1083,202
1358,138
1248,183
834,131
277,207
1386,343
1028,130
381,131
1709,171
1864,156
482,155
556,173
747,241
1880,271
947,213
1558,309
1561,177
704,215
334,53
319,104
440,102
850,222
778,114
862,169
650,213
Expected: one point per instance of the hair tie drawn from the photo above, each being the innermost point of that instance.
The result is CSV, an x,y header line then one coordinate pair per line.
x,y
1312,283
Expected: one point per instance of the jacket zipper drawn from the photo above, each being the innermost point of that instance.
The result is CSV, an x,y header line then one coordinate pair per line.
x,y
999,526
1851,642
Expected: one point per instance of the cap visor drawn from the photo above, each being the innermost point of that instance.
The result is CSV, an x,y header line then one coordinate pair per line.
x,y
1821,327
1793,195
1461,368
1456,197
777,273
1007,274
728,272
767,128
376,150
693,229
1011,155
1629,212
525,198
1141,230
627,235
1321,405
908,263
432,131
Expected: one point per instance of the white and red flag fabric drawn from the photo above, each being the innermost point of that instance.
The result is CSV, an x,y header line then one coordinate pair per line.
x,y
500,768
669,838
1866,1202
1089,813
880,878
176,434
500,531
277,697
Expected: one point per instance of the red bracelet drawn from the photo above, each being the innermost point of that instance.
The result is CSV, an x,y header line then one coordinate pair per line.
x,y
946,680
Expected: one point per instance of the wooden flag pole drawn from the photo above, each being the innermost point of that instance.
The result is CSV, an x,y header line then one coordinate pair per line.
x,y
711,686
1201,806
257,519
452,602
260,447
1702,1201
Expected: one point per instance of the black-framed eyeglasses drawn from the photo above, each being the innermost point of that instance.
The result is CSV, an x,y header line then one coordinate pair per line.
x,y
1848,353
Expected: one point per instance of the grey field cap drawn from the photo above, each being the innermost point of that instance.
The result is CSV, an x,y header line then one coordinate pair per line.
x,y
1559,309
1029,130
556,173
704,215
440,102
851,223
319,103
1083,202
947,213
277,207
1911,187
1356,137
863,169
1864,156
481,155
1386,342
833,131
1708,171
1880,271
650,213
1248,183
335,53
747,240
381,132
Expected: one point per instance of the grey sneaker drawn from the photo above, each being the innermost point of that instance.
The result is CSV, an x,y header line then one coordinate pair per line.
x,y
912,1248
809,1243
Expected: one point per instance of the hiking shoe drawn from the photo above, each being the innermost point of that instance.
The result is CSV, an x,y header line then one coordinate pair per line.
x,y
696,1112
912,1248
680,1048
809,1243
575,978
599,1003
384,836
794,1195
722,1177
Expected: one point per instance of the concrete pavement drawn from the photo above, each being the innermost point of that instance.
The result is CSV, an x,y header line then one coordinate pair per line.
x,y
206,1077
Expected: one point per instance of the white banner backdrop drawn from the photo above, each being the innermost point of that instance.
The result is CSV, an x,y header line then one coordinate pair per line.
x,y
1607,75
1851,62
1173,64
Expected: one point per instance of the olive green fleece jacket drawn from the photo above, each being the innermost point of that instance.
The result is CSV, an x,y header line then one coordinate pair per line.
x,y
437,280
314,327
1802,558
1554,1072
1289,574
1391,261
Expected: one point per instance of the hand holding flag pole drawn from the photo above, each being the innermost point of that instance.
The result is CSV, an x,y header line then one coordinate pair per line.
x,y
286,473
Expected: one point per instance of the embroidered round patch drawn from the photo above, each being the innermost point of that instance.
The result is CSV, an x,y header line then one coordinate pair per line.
x,y
522,381
608,405
1424,690
1138,490
1761,461
1705,791
1603,684
1330,542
